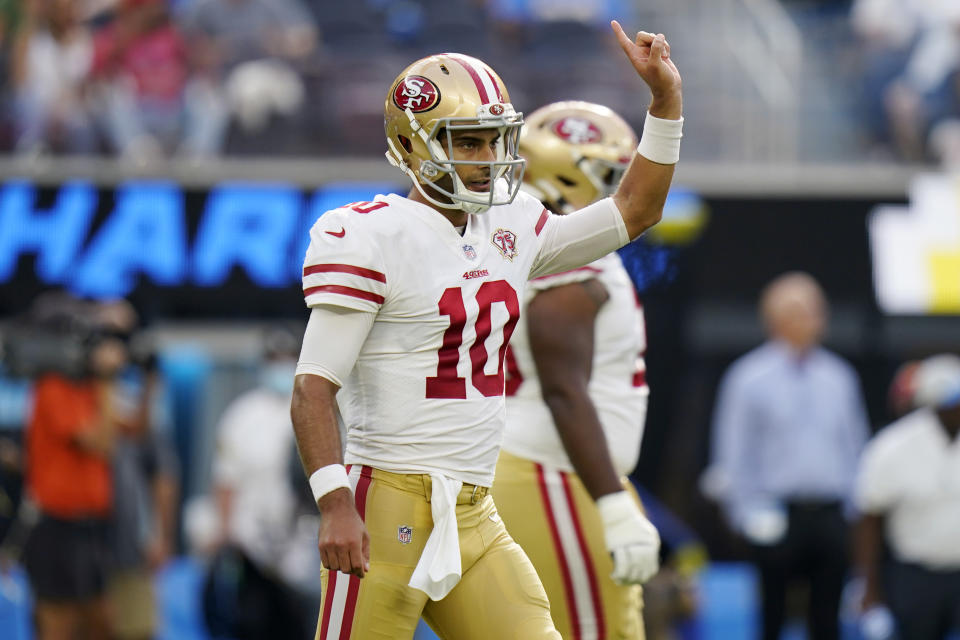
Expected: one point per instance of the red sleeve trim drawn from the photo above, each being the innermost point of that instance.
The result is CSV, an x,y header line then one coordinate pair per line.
x,y
346,291
344,268
542,221
563,273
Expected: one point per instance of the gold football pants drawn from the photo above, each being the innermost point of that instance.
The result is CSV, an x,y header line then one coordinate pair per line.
x,y
498,596
551,515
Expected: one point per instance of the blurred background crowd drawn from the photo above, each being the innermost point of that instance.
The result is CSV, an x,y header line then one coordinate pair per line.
x,y
819,80
164,160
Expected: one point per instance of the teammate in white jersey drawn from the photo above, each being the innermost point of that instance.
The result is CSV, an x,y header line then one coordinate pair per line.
x,y
577,397
413,302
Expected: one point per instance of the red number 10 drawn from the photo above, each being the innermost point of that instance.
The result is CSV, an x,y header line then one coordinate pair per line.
x,y
447,384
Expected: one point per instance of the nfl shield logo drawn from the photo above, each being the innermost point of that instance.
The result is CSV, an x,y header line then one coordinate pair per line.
x,y
404,534
470,252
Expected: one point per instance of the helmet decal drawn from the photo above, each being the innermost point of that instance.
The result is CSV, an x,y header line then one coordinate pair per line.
x,y
577,130
416,93
496,109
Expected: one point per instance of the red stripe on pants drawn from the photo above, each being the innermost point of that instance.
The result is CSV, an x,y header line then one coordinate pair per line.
x,y
328,603
360,500
564,568
353,583
587,559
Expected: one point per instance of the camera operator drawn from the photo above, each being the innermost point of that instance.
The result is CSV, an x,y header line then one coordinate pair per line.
x,y
70,438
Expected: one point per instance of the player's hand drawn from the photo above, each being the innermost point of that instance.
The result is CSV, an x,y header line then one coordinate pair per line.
x,y
650,55
632,540
343,539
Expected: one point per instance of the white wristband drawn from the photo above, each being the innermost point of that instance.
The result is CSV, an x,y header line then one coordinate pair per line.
x,y
660,141
328,478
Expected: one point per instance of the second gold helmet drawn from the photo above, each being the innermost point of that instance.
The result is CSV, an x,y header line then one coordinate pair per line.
x,y
576,153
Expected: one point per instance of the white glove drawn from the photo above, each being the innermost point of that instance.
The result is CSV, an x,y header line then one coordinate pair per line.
x,y
877,623
632,540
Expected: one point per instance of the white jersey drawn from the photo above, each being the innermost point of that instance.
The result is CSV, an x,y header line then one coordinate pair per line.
x,y
426,393
617,387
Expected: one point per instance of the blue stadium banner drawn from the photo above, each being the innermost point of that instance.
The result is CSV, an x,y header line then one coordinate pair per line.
x,y
236,248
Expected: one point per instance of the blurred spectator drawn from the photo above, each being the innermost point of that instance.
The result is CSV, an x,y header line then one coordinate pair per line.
x,y
15,398
145,475
911,92
70,441
50,65
249,53
789,425
908,490
247,594
141,66
9,25
901,396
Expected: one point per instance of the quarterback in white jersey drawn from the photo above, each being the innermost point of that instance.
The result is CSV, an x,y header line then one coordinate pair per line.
x,y
414,300
426,393
576,383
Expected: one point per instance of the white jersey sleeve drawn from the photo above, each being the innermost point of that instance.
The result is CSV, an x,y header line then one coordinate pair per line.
x,y
343,267
573,240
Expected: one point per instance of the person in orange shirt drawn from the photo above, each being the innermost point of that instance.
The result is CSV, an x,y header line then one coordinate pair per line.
x,y
70,438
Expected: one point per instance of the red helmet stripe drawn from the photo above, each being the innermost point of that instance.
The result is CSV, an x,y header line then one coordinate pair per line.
x,y
496,87
477,80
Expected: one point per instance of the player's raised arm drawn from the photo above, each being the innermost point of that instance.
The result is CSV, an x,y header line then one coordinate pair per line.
x,y
643,190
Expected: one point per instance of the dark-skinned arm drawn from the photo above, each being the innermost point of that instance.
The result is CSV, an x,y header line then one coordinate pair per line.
x,y
868,546
561,326
343,540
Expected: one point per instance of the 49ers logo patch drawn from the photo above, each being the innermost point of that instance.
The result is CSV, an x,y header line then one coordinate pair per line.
x,y
577,130
416,93
506,243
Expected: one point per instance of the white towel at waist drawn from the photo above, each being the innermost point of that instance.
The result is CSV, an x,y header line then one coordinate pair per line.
x,y
438,570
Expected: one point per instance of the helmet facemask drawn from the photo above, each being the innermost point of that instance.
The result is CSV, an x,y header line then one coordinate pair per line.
x,y
603,174
506,170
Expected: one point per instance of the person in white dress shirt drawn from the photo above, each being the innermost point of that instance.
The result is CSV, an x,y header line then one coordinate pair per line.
x,y
908,492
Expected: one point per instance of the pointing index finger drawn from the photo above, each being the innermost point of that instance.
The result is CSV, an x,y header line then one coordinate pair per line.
x,y
621,36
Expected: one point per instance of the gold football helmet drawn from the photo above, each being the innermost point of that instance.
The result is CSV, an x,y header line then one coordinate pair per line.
x,y
431,99
576,153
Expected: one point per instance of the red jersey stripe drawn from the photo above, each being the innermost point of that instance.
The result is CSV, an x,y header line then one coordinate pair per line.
x,y
346,291
587,559
344,268
640,379
542,221
563,273
558,547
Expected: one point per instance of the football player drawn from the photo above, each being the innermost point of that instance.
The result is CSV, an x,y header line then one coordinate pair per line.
x,y
413,300
577,396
